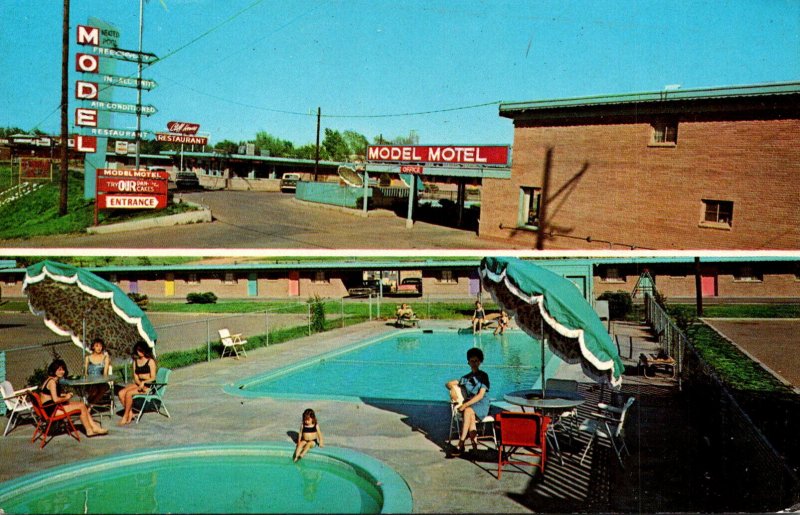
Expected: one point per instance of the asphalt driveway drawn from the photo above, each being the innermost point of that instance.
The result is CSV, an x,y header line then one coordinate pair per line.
x,y
248,219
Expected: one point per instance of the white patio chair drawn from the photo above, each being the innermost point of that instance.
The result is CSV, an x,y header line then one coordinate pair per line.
x,y
231,343
608,423
17,403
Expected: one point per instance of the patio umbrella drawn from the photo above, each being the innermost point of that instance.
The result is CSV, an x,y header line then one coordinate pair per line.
x,y
77,303
550,308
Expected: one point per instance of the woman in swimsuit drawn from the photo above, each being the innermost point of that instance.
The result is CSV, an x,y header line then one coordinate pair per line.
x,y
144,371
478,317
52,394
310,433
96,364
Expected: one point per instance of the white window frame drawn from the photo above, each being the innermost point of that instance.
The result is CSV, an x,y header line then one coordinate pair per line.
x,y
747,274
529,195
446,277
664,133
320,277
229,278
192,278
612,274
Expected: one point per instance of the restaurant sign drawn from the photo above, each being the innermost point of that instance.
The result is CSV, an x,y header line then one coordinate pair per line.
x,y
452,154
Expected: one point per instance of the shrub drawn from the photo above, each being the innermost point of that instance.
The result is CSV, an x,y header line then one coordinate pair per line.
x,y
317,314
140,299
38,377
619,303
201,298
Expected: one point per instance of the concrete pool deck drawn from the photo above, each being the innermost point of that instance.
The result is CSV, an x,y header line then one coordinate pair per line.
x,y
407,437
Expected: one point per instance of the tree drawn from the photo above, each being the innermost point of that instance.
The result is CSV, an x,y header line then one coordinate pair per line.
x,y
306,152
5,132
335,146
277,147
356,143
226,146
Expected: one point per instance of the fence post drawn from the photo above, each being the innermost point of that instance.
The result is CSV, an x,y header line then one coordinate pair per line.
x,y
308,317
266,324
428,308
369,306
342,312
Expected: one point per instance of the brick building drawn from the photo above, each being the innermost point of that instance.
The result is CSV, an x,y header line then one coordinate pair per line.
x,y
711,168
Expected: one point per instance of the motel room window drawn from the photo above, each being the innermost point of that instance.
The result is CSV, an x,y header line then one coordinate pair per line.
x,y
665,133
717,213
319,277
447,277
9,281
192,279
230,278
747,274
530,206
612,274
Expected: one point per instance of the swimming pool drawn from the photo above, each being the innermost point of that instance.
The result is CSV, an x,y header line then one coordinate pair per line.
x,y
405,365
214,478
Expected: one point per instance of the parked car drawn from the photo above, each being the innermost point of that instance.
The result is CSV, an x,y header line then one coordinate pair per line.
x,y
187,180
369,287
410,286
289,181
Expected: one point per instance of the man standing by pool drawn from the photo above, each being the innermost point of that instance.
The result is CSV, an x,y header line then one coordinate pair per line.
x,y
475,385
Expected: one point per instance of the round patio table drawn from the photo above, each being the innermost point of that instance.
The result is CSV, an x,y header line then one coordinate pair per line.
x,y
83,382
554,400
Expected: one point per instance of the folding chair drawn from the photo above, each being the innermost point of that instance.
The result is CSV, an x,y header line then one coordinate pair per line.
x,y
231,343
521,434
608,423
567,419
17,404
456,419
104,405
50,416
155,395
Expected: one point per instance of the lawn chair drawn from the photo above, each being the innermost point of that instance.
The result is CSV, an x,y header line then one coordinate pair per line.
x,y
568,419
17,403
608,423
48,417
231,343
521,434
105,404
457,418
155,395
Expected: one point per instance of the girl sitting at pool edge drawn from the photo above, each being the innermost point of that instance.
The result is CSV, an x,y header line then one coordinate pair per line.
x,y
310,433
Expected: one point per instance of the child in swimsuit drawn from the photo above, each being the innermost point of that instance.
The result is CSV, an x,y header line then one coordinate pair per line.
x,y
310,433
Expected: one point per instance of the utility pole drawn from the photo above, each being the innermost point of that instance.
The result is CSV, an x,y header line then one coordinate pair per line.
x,y
698,288
64,179
316,159
138,139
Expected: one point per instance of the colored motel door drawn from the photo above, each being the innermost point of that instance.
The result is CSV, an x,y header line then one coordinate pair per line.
x,y
708,284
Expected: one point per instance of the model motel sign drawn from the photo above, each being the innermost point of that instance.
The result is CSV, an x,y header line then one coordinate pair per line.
x,y
455,154
131,189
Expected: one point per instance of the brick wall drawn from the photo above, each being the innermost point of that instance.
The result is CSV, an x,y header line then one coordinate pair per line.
x,y
608,184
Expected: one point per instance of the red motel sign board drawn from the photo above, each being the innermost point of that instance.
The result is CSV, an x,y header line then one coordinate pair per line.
x,y
181,138
131,189
454,154
414,169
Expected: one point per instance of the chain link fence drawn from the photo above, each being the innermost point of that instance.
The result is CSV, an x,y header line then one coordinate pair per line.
x,y
744,469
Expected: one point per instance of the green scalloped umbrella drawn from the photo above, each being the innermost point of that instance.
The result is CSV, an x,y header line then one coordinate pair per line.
x,y
550,308
77,303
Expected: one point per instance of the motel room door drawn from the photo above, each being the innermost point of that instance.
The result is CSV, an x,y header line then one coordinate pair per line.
x,y
708,284
294,283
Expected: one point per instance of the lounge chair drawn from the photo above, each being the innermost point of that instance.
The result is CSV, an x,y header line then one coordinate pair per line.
x,y
411,321
231,343
155,395
17,404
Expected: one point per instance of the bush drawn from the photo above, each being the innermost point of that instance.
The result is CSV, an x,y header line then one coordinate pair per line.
x,y
619,303
38,377
201,298
140,299
317,314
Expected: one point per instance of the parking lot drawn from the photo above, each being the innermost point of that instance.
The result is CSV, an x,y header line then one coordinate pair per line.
x,y
248,219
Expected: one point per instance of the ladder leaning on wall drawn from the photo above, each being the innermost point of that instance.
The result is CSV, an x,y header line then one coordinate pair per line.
x,y
645,284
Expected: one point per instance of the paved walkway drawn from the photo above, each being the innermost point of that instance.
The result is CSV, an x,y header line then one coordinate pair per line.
x,y
407,437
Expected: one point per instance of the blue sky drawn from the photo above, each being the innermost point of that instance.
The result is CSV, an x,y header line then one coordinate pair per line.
x,y
239,67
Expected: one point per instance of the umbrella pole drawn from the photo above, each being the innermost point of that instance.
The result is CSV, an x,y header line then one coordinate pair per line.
x,y
543,345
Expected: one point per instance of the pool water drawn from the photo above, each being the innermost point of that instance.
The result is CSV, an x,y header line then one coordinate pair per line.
x,y
409,366
199,479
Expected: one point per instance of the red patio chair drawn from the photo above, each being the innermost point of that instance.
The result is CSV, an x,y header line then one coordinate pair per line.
x,y
521,434
50,416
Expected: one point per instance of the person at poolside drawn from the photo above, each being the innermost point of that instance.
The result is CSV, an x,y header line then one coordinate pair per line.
x,y
144,371
52,393
475,386
478,317
404,312
310,434
97,363
502,323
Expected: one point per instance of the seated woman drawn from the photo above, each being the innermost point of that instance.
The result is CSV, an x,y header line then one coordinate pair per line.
x,y
144,371
474,385
97,364
52,393
404,312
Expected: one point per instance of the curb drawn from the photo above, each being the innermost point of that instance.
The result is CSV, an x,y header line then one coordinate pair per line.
x,y
193,217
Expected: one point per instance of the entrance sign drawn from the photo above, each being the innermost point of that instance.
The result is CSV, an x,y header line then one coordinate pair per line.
x,y
181,138
455,154
131,189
